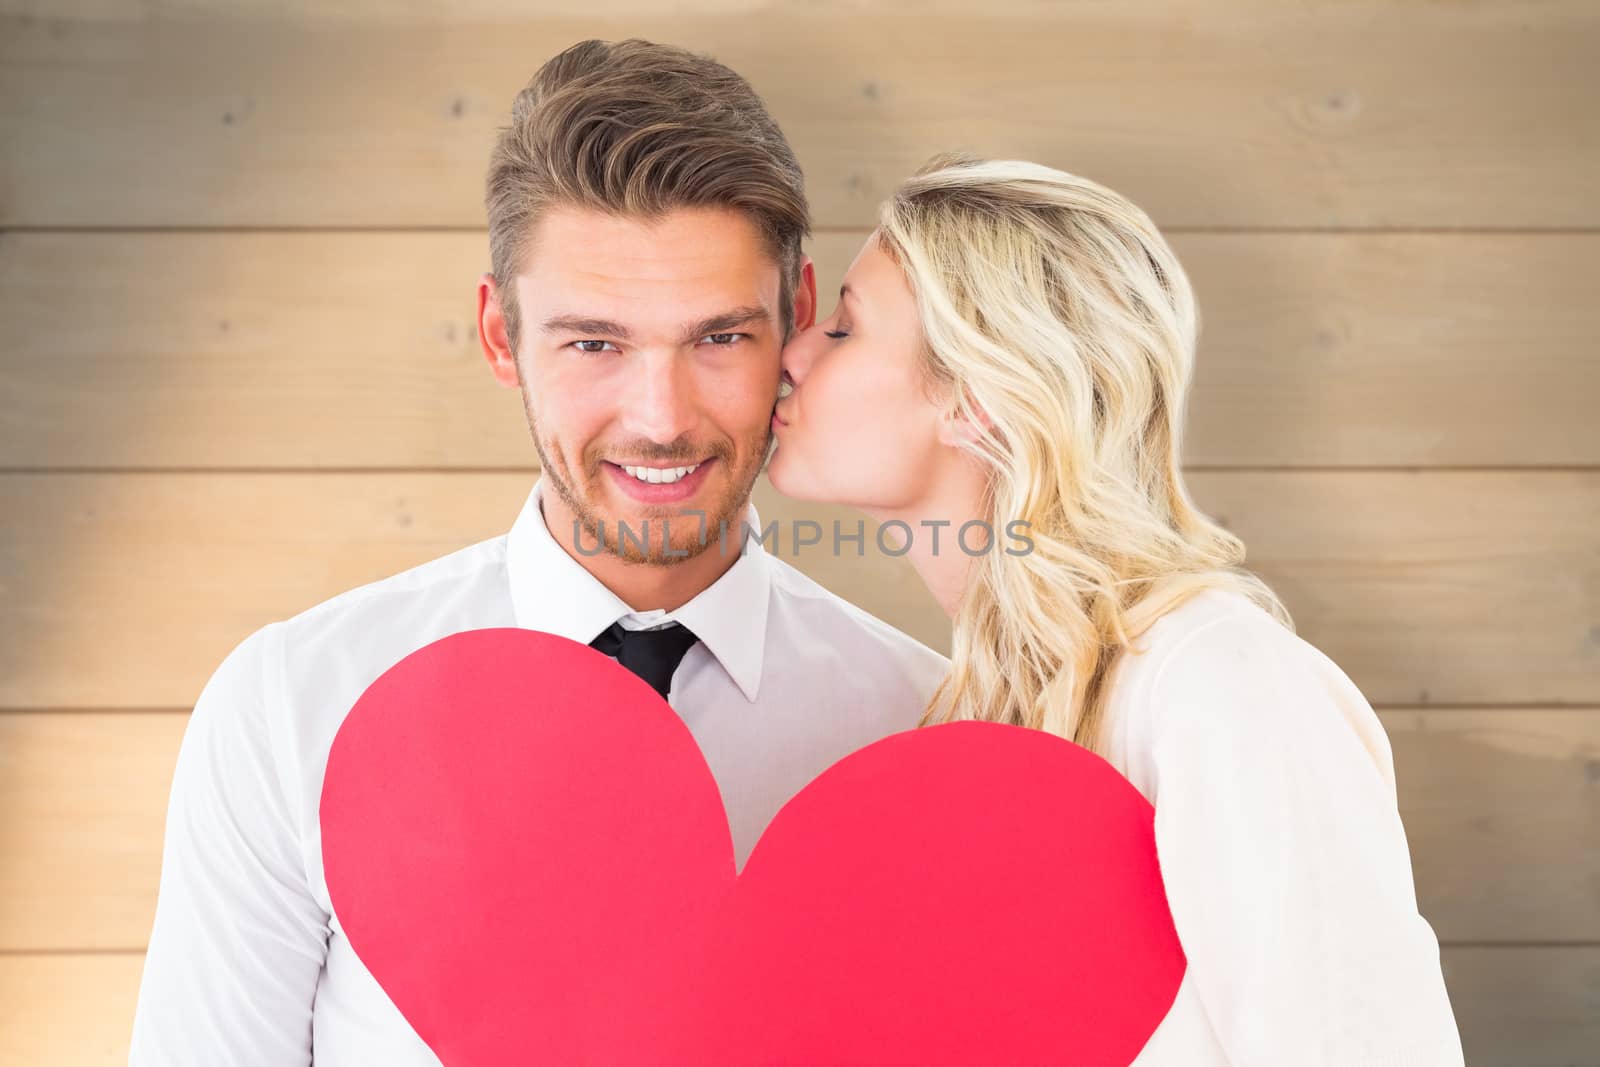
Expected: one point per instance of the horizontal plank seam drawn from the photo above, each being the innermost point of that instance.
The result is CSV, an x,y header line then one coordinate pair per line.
x,y
817,231
1513,706
1581,944
1204,468
46,953
1499,706
109,710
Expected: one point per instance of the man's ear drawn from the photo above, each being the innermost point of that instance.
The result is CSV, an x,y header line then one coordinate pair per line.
x,y
492,333
805,296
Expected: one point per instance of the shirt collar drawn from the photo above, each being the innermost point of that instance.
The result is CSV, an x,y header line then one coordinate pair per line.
x,y
552,592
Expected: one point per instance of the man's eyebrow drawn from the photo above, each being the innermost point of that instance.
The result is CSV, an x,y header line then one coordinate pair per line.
x,y
578,324
727,321
723,323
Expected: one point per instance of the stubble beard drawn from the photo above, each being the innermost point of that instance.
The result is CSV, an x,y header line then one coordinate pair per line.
x,y
689,535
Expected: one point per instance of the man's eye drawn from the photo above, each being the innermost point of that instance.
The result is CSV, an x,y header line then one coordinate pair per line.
x,y
583,346
723,339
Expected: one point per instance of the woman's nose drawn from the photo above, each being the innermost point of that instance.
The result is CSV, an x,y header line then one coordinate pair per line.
x,y
796,359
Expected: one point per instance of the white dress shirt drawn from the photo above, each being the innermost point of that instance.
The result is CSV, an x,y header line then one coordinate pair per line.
x,y
247,962
1281,849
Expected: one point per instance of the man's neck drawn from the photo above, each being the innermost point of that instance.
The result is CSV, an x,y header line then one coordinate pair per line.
x,y
642,586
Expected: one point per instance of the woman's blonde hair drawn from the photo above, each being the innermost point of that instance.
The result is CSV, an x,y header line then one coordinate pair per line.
x,y
1055,312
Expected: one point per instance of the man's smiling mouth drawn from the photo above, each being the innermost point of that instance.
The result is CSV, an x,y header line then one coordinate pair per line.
x,y
660,475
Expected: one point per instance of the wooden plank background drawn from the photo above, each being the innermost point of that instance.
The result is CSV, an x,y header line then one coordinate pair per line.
x,y
238,375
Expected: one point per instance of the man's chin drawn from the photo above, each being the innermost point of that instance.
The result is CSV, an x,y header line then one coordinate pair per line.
x,y
657,557
664,535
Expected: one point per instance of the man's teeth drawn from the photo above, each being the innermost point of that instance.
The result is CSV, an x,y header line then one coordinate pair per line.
x,y
660,475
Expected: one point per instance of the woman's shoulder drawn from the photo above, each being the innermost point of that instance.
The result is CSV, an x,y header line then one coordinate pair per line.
x,y
1220,642
1204,622
1220,663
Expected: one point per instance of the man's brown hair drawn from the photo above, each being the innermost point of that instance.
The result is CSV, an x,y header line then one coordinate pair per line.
x,y
636,128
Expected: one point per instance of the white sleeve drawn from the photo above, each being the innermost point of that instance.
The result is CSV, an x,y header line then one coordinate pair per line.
x,y
238,941
1285,861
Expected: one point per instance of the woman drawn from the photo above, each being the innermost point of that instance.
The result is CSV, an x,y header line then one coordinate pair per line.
x,y
1012,349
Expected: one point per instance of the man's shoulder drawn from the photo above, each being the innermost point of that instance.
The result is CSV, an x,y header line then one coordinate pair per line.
x,y
312,666
334,649
427,588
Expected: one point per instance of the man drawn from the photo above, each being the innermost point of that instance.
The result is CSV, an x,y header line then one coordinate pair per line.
x,y
645,220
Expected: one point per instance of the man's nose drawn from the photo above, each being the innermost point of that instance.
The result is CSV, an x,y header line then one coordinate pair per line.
x,y
661,402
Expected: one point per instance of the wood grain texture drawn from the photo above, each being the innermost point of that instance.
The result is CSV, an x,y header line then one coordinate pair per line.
x,y
1533,1006
1525,1006
125,590
68,1010
360,350
1354,188
1432,587
1307,115
1501,809
85,802
1502,814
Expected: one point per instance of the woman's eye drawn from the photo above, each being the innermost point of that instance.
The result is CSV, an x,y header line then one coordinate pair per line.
x,y
835,334
721,340
583,346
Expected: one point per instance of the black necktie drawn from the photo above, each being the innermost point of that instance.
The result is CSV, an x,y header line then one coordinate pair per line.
x,y
651,654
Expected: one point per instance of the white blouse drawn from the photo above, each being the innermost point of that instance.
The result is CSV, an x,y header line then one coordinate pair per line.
x,y
1281,848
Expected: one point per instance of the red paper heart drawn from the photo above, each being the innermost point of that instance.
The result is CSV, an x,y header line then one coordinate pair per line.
x,y
525,847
